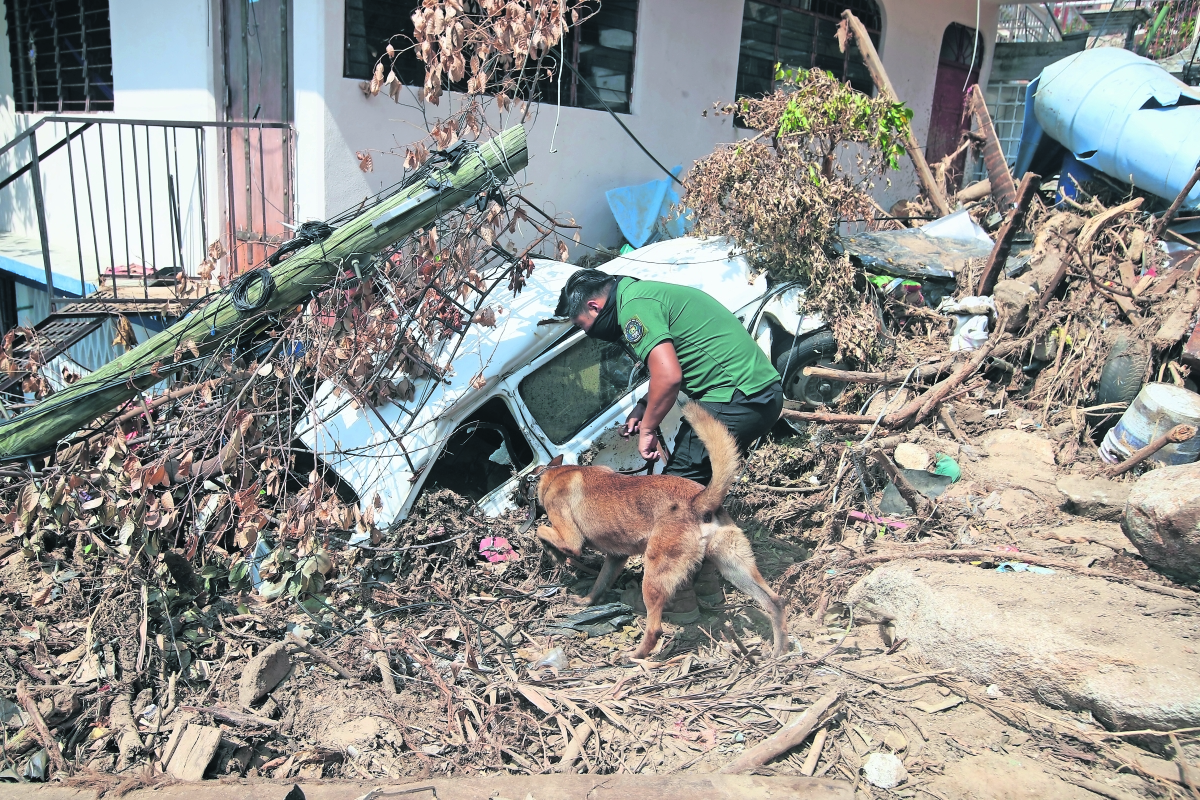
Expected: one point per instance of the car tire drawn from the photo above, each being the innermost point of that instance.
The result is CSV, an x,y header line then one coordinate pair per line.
x,y
819,349
1124,371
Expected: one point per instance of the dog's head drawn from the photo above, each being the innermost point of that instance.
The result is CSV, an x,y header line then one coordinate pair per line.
x,y
528,488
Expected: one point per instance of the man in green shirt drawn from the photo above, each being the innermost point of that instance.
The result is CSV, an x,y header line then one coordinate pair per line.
x,y
689,342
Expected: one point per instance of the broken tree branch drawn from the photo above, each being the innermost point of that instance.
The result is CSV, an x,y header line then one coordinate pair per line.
x,y
1166,218
300,644
785,739
875,66
1177,435
25,699
1015,221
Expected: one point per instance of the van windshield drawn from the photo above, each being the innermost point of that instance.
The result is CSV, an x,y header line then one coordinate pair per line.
x,y
576,386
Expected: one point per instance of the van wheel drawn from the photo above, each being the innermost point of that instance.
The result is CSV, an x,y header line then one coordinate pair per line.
x,y
819,349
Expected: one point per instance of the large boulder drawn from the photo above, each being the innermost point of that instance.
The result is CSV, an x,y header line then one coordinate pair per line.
x,y
1125,654
1162,519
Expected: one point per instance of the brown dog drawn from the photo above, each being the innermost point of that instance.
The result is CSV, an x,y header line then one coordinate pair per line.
x,y
671,521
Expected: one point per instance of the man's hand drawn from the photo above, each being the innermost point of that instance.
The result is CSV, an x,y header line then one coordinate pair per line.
x,y
634,422
648,444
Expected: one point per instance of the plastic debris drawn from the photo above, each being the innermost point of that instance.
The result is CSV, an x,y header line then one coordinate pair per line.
x,y
1021,566
555,659
945,465
970,333
884,770
497,548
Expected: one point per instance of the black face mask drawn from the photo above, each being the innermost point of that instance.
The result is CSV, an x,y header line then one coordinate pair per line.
x,y
606,327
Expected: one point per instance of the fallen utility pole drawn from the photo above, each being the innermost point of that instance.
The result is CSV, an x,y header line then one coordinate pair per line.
x,y
880,76
467,170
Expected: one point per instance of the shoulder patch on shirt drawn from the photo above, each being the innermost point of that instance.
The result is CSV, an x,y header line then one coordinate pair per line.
x,y
634,330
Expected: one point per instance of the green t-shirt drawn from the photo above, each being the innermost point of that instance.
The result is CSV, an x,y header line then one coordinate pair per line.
x,y
715,352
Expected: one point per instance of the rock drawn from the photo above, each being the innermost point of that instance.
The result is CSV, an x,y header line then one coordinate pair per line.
x,y
1094,498
1065,640
884,770
1016,459
911,456
979,778
1013,300
1162,519
263,673
895,740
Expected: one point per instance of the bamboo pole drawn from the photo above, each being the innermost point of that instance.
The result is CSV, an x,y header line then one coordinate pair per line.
x,y
880,76
307,271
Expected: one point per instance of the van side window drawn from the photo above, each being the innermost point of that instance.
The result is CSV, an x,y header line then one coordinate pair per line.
x,y
482,454
575,387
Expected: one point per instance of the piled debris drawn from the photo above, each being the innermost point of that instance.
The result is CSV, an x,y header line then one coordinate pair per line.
x,y
189,591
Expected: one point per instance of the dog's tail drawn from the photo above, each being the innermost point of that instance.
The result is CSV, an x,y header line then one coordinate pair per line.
x,y
722,451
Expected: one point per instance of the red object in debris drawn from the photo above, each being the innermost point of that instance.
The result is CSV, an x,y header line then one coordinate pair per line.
x,y
1191,350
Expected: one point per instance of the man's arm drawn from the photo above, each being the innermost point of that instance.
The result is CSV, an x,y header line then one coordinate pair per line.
x,y
666,376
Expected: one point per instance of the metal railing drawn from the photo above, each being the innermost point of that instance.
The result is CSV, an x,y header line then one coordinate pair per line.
x,y
131,207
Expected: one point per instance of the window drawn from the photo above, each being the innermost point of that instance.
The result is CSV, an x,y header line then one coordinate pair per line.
x,y
61,55
601,49
576,386
482,455
801,33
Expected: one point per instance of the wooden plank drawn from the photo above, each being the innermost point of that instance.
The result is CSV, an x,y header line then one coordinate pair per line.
x,y
1003,187
1177,324
1016,219
195,751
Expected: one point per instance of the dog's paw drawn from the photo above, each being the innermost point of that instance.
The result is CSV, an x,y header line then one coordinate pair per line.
x,y
581,601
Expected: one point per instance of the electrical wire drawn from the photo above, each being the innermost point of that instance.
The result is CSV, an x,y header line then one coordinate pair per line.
x,y
239,290
306,234
613,114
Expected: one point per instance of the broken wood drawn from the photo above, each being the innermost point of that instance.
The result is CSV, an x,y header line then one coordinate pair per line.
x,y
1175,236
194,751
866,47
1060,254
574,748
26,701
1176,325
786,738
1166,218
814,752
232,717
976,191
1013,223
938,393
300,644
1000,183
385,671
1177,435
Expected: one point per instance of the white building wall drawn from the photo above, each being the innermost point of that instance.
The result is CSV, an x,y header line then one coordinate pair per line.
x,y
686,59
166,66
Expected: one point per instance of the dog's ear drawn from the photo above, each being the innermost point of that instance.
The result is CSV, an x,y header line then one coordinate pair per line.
x,y
556,461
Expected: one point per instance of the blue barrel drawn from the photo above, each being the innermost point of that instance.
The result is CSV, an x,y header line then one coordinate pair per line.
x,y
1157,408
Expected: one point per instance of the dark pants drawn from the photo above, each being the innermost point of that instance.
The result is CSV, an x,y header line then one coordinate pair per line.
x,y
747,418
